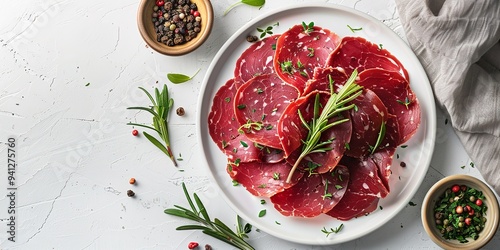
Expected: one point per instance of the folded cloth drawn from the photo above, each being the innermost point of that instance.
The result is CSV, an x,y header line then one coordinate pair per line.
x,y
457,42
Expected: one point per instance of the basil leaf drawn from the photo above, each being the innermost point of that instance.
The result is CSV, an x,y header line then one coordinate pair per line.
x,y
180,78
257,3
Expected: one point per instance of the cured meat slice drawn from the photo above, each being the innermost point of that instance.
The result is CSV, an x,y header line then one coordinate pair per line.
x,y
383,160
290,128
256,60
397,96
363,190
367,119
358,53
223,127
263,179
313,195
258,106
299,50
321,79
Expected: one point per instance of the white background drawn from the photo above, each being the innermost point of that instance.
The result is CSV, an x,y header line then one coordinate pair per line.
x,y
76,153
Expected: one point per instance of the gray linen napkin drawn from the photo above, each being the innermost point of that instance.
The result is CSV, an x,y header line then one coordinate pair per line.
x,y
457,42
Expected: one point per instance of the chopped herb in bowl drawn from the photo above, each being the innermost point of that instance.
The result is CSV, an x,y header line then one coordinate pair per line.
x,y
460,213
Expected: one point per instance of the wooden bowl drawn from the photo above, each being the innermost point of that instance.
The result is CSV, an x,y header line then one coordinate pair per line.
x,y
433,196
147,29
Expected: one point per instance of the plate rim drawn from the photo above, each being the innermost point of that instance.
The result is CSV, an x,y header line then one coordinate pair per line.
x,y
429,135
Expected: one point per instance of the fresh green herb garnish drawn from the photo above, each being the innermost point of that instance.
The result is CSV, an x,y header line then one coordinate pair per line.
x,y
215,228
256,3
354,29
320,122
287,67
276,175
160,110
87,84
381,135
180,78
244,144
262,213
308,28
311,52
332,230
268,30
249,126
241,230
262,202
406,102
235,183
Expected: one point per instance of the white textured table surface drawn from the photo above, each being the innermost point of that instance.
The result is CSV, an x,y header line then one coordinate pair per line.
x,y
70,69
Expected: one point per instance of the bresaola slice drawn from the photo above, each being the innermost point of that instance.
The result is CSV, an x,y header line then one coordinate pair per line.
x,y
258,105
363,190
301,49
322,77
397,96
358,53
223,127
263,179
313,195
256,60
367,118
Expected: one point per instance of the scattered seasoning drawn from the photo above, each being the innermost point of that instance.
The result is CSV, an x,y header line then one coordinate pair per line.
x,y
380,46
132,181
397,156
135,132
227,99
252,39
244,144
267,31
277,223
354,29
180,157
402,164
262,202
446,121
462,167
193,245
130,193
332,230
176,22
87,84
381,208
404,146
235,183
241,106
262,213
471,164
411,203
459,213
180,111
208,247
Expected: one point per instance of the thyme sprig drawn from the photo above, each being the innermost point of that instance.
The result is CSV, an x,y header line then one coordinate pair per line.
x,y
162,104
215,228
332,230
320,122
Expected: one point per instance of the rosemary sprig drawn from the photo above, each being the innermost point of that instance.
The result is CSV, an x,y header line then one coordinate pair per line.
x,y
160,110
334,106
215,228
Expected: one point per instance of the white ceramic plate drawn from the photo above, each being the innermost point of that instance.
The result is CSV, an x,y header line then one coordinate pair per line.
x,y
404,181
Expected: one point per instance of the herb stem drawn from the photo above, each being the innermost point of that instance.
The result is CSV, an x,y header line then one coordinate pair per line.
x,y
318,125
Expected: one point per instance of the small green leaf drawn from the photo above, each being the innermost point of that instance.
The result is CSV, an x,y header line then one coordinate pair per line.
x,y
262,213
87,84
262,202
180,78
